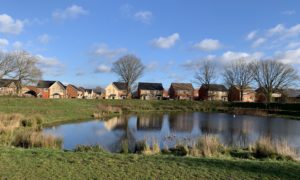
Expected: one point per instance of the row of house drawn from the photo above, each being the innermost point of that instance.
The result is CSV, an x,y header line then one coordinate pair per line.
x,y
186,91
146,91
47,90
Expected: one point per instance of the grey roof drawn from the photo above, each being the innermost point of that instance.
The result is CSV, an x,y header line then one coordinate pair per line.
x,y
182,86
214,87
293,93
47,84
6,82
150,86
120,85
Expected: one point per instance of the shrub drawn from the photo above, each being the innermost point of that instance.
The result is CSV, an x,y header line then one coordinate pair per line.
x,y
140,146
155,147
9,123
209,145
89,148
180,150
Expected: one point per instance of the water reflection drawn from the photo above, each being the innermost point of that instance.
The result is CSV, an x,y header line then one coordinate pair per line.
x,y
169,129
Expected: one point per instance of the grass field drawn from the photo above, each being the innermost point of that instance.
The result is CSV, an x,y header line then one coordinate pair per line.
x,y
63,110
56,164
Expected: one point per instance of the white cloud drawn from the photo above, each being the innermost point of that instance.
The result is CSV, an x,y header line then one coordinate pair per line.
x,y
103,50
8,25
258,42
102,68
293,45
208,45
289,56
50,65
251,35
71,12
4,42
280,29
288,12
166,42
152,66
143,16
17,45
44,39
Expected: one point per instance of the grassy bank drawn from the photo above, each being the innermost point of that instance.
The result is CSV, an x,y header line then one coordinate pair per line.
x,y
64,110
56,164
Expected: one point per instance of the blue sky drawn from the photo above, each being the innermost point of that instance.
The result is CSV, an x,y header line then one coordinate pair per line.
x,y
77,41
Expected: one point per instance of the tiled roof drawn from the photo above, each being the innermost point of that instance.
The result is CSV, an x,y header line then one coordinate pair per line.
x,y
182,86
120,85
150,86
214,87
6,82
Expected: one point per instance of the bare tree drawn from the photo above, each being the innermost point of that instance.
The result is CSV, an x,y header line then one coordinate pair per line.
x,y
239,74
206,73
272,75
7,65
129,68
26,70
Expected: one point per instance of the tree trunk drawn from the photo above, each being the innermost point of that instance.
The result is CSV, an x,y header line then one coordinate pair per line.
x,y
241,95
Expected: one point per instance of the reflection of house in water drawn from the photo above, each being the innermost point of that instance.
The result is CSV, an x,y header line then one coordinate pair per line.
x,y
149,122
181,122
115,123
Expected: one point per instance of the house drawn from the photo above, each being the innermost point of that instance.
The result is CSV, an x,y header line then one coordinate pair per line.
x,y
150,91
116,90
181,91
8,87
51,89
213,92
74,92
291,95
196,94
261,97
234,94
89,94
30,91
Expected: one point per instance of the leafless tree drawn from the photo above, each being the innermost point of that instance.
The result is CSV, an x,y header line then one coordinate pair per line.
x,y
7,65
206,73
272,76
26,70
129,68
238,74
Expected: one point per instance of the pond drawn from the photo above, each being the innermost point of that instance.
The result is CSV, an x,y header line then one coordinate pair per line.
x,y
169,129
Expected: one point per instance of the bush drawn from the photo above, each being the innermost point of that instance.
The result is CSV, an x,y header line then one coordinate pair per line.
x,y
124,146
87,148
180,150
209,145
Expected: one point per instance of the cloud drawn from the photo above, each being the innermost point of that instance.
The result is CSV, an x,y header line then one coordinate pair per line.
x,y
143,16
280,29
71,12
289,56
258,42
166,42
44,39
8,25
50,65
4,42
208,45
251,35
152,66
126,10
102,50
17,45
80,73
288,12
293,45
102,68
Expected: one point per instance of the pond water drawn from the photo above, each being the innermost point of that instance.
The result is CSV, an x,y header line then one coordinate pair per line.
x,y
169,129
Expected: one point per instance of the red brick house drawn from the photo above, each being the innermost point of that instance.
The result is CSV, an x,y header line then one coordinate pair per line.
x,y
73,92
213,92
234,94
181,91
51,89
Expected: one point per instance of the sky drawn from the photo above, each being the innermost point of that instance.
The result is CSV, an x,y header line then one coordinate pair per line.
x,y
78,41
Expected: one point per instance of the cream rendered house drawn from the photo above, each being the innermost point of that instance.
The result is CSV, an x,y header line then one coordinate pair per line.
x,y
116,90
8,87
51,89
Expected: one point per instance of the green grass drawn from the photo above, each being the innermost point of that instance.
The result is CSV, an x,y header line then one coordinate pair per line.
x,y
55,164
64,110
